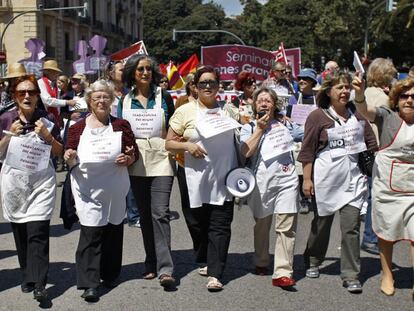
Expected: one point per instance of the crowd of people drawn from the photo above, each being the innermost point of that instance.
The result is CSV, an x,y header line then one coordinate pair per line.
x,y
122,140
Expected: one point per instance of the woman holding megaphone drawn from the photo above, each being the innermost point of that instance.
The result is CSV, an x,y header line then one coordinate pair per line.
x,y
203,132
268,143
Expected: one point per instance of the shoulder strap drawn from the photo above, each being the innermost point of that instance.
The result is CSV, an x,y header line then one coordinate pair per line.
x,y
127,101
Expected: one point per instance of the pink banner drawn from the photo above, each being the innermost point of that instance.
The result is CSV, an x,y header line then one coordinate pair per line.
x,y
230,60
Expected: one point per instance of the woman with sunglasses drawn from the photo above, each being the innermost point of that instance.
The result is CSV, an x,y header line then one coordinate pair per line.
x,y
209,154
393,179
241,108
149,108
29,138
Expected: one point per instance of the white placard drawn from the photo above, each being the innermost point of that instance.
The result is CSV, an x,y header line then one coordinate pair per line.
x,y
213,123
145,123
26,154
80,104
102,148
276,142
357,63
301,112
346,139
80,67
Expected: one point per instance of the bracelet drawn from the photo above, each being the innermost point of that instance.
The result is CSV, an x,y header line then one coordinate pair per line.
x,y
359,101
52,141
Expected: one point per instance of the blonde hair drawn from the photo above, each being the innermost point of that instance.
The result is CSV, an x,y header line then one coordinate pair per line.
x,y
381,72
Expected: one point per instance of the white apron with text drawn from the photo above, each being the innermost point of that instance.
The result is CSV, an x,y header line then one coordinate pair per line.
x,y
206,177
149,130
99,187
338,180
393,188
28,181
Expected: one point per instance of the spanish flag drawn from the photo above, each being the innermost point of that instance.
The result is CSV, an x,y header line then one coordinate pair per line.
x,y
175,80
189,66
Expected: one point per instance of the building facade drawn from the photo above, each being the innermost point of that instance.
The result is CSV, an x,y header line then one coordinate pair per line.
x,y
119,21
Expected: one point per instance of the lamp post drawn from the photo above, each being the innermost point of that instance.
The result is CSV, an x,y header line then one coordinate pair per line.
x,y
84,7
210,31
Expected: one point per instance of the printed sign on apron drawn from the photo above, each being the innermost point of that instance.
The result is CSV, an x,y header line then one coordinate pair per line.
x,y
215,123
145,123
27,154
346,139
277,141
99,145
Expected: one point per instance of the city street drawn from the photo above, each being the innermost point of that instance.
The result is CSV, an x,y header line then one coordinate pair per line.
x,y
243,289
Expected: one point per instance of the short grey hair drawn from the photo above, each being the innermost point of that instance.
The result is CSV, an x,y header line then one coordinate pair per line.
x,y
99,86
276,102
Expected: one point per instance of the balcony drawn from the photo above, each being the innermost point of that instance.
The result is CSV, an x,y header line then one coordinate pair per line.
x,y
85,20
5,5
50,51
73,14
98,25
47,4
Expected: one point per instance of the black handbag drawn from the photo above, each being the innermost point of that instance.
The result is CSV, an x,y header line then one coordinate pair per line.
x,y
366,162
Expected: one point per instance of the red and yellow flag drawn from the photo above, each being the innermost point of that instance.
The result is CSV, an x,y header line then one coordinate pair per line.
x,y
175,80
189,66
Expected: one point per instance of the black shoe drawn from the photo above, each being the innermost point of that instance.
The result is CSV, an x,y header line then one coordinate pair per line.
x,y
353,286
90,295
40,294
371,248
27,287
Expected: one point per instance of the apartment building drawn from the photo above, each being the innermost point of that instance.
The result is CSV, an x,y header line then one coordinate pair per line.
x,y
119,21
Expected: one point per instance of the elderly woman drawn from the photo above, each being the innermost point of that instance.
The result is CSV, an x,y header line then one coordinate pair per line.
x,y
268,142
28,181
99,150
148,108
334,136
209,155
241,108
381,75
393,190
113,74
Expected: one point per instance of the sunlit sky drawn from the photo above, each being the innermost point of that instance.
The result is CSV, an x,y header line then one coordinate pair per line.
x,y
232,7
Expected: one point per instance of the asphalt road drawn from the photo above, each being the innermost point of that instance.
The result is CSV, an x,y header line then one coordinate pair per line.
x,y
243,290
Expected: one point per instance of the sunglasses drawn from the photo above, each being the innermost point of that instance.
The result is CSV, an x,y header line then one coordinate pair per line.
x,y
147,68
22,93
207,83
406,96
250,82
163,81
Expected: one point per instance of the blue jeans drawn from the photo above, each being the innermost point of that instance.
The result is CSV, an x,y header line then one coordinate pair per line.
x,y
132,208
369,235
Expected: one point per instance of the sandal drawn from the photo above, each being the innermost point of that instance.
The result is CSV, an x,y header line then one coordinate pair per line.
x,y
214,285
166,280
149,275
203,271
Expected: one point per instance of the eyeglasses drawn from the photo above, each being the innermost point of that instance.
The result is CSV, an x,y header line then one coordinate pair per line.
x,y
264,100
250,82
22,93
163,81
104,98
142,68
280,70
407,96
207,83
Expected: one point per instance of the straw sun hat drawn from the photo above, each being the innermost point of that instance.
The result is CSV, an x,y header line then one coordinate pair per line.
x,y
51,65
15,70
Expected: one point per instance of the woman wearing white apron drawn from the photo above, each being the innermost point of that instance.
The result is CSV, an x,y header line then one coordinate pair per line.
x,y
99,149
205,135
269,144
148,108
28,182
334,135
393,179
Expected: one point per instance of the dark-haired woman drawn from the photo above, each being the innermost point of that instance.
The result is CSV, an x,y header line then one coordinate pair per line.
x,y
148,108
29,138
334,136
209,154
393,185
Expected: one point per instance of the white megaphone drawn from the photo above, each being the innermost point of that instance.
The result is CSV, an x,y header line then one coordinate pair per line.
x,y
240,182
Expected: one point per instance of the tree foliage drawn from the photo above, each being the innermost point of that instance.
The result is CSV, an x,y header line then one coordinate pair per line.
x,y
329,28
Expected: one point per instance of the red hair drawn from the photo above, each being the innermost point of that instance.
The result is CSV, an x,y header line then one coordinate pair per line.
x,y
242,79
